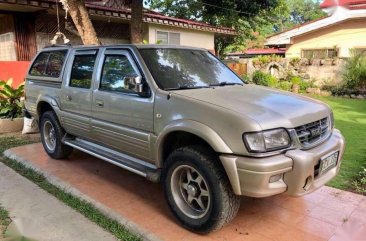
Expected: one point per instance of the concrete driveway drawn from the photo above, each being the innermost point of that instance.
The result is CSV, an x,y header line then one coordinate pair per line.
x,y
327,214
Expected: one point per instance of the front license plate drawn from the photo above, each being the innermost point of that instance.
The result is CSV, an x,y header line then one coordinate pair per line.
x,y
328,163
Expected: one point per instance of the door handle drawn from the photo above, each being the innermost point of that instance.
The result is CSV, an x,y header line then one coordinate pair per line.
x,y
99,103
68,97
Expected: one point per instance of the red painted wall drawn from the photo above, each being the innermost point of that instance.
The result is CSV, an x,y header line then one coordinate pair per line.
x,y
14,69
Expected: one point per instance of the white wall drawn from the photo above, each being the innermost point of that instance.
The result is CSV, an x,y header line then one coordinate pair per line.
x,y
342,36
188,37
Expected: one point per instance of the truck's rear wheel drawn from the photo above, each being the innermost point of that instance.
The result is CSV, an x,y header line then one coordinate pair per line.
x,y
51,135
197,189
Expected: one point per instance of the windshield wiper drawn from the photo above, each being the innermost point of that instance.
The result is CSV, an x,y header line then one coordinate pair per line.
x,y
225,83
184,87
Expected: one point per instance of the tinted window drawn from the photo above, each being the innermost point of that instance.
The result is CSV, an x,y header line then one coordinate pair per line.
x,y
115,69
55,63
82,71
40,64
49,64
185,68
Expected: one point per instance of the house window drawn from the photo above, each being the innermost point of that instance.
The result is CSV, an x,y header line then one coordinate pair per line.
x,y
168,38
7,48
319,53
361,51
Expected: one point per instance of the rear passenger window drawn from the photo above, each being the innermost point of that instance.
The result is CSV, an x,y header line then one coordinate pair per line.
x,y
49,64
55,63
40,64
82,71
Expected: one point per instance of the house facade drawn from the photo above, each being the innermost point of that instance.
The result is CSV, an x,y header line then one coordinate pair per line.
x,y
333,36
26,26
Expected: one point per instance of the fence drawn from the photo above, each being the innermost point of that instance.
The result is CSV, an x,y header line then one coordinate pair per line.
x,y
239,68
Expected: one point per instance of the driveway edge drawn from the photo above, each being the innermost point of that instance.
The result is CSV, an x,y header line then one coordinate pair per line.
x,y
128,224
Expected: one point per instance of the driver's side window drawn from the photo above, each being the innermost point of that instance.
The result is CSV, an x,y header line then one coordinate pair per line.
x,y
115,69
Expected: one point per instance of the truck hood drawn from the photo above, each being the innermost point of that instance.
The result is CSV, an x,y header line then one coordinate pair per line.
x,y
270,108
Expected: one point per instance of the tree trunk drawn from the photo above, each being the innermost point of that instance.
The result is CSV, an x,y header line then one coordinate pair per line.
x,y
136,26
81,19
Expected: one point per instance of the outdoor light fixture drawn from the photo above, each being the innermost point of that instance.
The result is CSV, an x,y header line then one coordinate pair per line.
x,y
60,35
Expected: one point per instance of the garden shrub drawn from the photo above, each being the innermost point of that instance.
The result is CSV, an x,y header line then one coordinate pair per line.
x,y
285,85
11,105
263,59
341,90
304,85
360,184
245,77
294,61
296,80
261,78
355,71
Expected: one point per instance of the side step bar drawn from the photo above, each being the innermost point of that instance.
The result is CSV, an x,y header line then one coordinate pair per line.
x,y
124,161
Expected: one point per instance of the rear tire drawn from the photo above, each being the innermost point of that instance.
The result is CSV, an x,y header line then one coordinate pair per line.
x,y
51,136
197,189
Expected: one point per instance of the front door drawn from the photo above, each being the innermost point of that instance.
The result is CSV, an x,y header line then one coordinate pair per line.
x,y
121,119
76,98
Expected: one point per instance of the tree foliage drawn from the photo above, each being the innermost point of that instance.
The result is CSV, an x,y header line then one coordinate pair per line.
x,y
243,15
302,11
253,19
355,71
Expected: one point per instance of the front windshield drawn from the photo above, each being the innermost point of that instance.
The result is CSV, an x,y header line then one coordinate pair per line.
x,y
186,69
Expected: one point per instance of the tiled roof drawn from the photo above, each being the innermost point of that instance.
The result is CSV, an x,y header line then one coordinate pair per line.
x,y
346,3
155,17
260,51
114,9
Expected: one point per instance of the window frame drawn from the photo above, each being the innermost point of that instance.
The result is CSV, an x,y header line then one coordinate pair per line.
x,y
48,77
168,32
119,52
320,49
87,52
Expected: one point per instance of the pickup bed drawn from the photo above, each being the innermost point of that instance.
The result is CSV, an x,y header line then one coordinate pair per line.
x,y
178,115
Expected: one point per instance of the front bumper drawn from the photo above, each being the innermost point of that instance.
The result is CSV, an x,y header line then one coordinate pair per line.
x,y
292,173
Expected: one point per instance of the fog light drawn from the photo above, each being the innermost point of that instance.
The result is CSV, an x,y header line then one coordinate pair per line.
x,y
275,178
308,182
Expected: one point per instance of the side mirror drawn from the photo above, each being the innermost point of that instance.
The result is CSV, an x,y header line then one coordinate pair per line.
x,y
133,83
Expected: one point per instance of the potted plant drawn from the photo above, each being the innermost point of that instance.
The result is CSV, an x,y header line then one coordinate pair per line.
x,y
11,107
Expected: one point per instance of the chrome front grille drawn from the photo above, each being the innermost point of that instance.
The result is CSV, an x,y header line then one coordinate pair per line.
x,y
313,133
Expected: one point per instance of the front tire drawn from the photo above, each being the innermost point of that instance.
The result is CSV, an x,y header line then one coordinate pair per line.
x,y
197,189
51,136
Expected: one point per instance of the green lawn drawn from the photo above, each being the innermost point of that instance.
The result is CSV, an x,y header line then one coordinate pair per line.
x,y
350,118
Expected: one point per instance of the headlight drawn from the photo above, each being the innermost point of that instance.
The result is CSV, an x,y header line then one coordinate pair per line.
x,y
266,141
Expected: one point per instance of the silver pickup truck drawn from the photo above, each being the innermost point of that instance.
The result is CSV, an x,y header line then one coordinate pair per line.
x,y
178,115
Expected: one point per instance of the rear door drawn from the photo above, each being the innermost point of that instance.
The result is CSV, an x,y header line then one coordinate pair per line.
x,y
121,119
76,97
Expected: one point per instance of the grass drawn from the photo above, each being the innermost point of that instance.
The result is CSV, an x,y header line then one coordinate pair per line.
x,y
350,119
83,207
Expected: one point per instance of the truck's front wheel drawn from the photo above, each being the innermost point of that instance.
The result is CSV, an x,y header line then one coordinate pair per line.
x,y
197,189
51,136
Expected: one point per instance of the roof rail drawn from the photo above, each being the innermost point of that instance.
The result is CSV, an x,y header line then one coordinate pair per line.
x,y
57,45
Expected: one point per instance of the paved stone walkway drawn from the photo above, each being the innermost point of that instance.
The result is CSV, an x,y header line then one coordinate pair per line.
x,y
327,214
39,216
